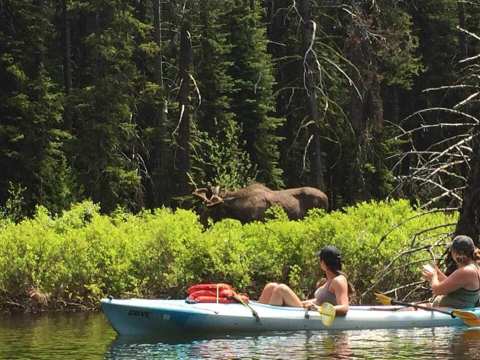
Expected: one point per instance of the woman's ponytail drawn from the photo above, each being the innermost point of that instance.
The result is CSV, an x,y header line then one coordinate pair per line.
x,y
476,255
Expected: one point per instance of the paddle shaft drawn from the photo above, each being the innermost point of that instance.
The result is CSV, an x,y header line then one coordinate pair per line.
x,y
396,302
254,312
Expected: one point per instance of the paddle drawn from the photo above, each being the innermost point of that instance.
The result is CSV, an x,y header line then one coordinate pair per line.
x,y
327,313
468,317
238,298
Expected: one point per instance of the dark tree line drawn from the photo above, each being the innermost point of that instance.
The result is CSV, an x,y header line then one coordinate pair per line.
x,y
134,103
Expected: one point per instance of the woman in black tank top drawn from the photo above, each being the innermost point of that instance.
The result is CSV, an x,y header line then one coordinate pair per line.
x,y
460,289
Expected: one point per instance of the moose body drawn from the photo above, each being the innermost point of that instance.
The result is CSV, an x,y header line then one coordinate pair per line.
x,y
250,203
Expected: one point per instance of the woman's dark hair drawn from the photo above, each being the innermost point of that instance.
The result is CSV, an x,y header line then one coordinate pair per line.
x,y
332,257
463,245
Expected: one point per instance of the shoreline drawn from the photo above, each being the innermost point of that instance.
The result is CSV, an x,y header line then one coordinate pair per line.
x,y
30,307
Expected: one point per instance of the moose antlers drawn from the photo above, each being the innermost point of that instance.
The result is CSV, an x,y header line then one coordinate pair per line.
x,y
214,198
202,194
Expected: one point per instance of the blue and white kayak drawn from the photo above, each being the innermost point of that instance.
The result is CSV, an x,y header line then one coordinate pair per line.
x,y
136,317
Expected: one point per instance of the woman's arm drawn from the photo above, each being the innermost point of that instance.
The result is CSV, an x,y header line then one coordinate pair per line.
x,y
309,302
455,281
440,275
340,289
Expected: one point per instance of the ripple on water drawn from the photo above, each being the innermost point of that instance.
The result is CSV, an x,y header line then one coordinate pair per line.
x,y
440,343
88,336
54,336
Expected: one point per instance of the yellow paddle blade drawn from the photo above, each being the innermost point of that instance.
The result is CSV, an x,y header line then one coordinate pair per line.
x,y
470,318
383,299
463,314
473,323
327,314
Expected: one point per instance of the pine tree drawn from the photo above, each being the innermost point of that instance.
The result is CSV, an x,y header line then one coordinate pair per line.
x,y
32,153
218,157
105,150
253,82
381,46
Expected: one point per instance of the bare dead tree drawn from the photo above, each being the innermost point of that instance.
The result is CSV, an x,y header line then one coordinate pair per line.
x,y
425,245
312,79
444,174
316,63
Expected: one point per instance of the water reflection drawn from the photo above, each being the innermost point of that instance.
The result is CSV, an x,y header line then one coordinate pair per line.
x,y
440,343
467,344
89,336
338,346
54,336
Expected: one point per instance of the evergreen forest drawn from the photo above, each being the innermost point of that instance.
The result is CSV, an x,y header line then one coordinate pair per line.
x,y
133,104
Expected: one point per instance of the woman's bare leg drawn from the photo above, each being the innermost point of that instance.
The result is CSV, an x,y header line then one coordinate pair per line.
x,y
267,293
283,295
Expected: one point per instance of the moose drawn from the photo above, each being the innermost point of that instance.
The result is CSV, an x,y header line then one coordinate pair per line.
x,y
251,202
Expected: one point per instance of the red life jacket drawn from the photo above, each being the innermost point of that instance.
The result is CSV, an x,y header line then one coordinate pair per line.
x,y
212,287
214,293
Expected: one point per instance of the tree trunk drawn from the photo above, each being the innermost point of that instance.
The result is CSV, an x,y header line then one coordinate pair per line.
x,y
182,160
356,182
141,10
287,73
469,221
310,69
67,46
462,38
366,113
160,151
38,52
374,117
395,104
67,65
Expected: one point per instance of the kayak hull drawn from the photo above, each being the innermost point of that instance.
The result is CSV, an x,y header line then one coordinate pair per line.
x,y
138,317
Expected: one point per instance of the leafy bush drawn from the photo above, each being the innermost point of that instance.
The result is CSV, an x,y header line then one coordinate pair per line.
x,y
82,255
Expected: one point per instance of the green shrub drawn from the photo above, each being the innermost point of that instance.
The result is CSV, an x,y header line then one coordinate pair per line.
x,y
82,255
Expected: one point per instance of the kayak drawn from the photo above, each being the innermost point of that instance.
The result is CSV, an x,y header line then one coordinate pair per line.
x,y
138,317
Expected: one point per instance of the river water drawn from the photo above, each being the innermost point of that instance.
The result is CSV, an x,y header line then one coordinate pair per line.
x,y
89,336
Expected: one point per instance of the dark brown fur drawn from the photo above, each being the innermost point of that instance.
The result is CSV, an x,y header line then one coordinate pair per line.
x,y
251,202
